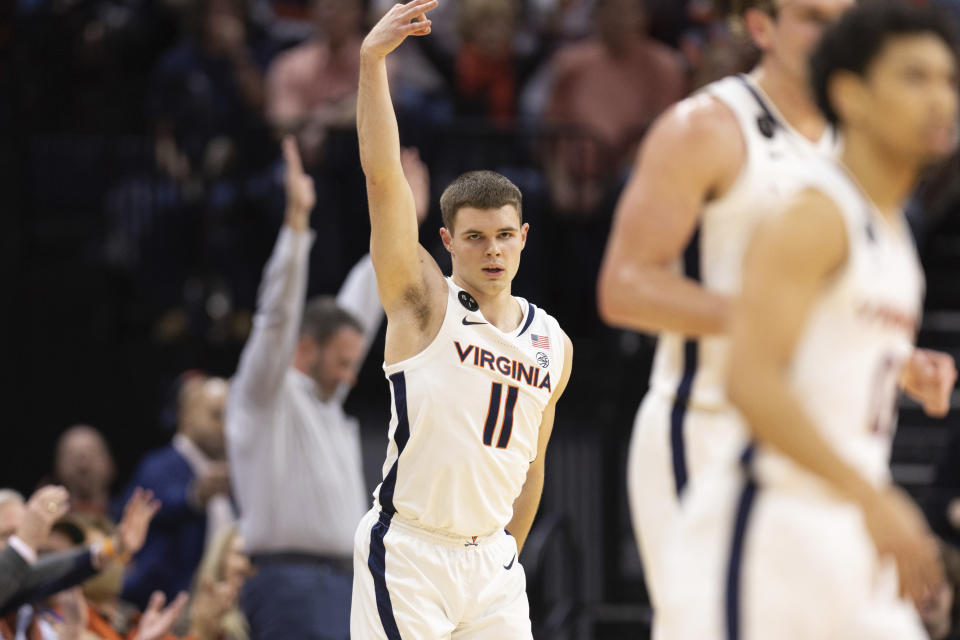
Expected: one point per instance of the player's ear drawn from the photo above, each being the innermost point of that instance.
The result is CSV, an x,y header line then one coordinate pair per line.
x,y
848,96
523,233
447,239
759,24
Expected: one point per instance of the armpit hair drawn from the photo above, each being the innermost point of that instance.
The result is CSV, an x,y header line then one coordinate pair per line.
x,y
417,300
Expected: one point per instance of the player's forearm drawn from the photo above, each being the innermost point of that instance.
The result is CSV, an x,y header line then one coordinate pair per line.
x,y
655,299
376,121
525,507
777,419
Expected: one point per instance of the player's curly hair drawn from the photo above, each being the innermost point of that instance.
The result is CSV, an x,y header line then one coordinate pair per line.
x,y
855,40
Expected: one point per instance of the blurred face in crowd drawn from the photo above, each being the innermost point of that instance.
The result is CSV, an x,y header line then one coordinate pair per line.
x,y
788,38
907,102
489,25
11,513
83,463
619,21
201,414
338,20
485,247
335,362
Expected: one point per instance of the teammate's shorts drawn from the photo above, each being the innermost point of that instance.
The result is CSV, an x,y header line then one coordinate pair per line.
x,y
670,445
415,584
748,563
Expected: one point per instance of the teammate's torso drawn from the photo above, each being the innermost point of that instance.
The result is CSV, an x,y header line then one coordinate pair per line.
x,y
859,334
466,418
772,169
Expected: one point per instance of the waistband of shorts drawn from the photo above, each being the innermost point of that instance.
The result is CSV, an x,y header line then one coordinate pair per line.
x,y
394,521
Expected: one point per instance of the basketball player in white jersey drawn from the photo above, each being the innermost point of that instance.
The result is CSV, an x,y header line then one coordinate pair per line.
x,y
475,374
803,535
709,169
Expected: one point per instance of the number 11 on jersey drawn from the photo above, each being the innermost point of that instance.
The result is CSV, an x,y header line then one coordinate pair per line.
x,y
493,414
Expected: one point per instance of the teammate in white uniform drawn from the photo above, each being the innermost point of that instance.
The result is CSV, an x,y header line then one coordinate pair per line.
x,y
475,374
803,536
709,169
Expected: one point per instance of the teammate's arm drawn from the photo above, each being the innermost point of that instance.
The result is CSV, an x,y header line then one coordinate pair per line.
x,y
690,154
526,505
402,267
790,260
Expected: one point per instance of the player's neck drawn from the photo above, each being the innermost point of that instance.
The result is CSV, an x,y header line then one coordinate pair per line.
x,y
500,308
792,99
886,177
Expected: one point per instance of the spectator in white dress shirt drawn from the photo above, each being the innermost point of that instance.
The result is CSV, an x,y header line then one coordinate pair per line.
x,y
295,458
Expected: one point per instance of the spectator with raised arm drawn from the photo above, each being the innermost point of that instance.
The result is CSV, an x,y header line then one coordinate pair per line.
x,y
294,454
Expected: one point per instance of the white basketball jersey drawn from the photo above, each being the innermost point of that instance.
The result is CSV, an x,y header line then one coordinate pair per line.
x,y
693,370
861,331
466,418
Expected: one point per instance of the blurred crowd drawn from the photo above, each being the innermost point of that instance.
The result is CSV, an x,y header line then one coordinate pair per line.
x,y
555,94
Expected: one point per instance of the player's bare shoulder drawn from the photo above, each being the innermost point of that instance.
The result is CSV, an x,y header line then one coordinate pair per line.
x,y
702,134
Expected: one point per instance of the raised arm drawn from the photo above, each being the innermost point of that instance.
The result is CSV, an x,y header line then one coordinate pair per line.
x,y
276,324
691,154
790,260
404,271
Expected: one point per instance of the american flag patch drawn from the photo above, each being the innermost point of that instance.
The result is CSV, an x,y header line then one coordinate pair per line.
x,y
540,342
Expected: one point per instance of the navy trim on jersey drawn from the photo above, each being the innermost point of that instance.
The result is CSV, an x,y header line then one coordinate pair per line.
x,y
400,436
678,449
531,309
733,594
377,562
767,112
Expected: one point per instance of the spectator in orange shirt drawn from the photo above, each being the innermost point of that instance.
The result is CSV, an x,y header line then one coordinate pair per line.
x,y
607,90
313,86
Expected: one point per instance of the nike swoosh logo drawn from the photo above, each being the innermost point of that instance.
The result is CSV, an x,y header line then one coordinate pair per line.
x,y
467,323
510,566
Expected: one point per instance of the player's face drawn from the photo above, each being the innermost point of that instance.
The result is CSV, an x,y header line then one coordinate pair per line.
x,y
909,98
485,247
790,38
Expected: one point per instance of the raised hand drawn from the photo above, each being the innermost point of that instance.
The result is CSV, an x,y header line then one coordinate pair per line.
x,y
137,514
45,506
929,378
400,21
300,192
157,621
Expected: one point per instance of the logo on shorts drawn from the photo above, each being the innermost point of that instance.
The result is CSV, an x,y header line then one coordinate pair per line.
x,y
510,566
467,301
543,359
472,543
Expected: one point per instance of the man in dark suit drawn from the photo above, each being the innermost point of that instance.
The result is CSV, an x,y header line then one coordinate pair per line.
x,y
190,478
